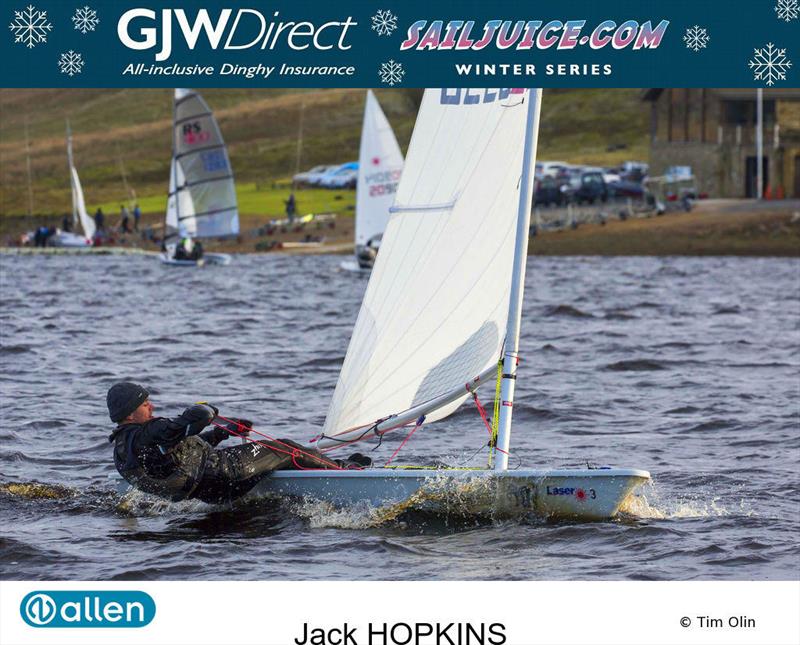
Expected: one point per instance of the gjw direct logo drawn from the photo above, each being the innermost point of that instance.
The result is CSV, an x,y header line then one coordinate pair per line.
x,y
87,609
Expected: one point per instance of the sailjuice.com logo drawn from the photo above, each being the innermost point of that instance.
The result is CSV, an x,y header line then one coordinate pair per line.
x,y
87,609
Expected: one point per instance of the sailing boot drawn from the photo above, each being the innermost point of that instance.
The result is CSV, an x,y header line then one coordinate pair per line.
x,y
306,457
360,461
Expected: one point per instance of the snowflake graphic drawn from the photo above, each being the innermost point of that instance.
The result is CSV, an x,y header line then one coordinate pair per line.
x,y
391,73
30,26
384,22
787,10
85,19
696,38
71,63
769,64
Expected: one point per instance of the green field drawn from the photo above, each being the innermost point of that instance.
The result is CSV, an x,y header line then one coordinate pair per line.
x,y
131,130
261,199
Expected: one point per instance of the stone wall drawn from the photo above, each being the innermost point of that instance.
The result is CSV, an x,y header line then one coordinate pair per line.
x,y
704,158
720,170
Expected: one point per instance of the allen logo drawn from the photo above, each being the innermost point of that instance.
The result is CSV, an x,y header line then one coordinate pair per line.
x,y
87,609
39,609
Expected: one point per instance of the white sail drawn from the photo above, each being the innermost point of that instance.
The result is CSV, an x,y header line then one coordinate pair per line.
x,y
79,204
202,195
79,213
435,311
380,164
180,202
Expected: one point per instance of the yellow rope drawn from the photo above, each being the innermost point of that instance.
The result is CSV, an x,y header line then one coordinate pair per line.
x,y
411,467
496,414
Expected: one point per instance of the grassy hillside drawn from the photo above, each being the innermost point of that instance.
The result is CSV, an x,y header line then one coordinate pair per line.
x,y
131,129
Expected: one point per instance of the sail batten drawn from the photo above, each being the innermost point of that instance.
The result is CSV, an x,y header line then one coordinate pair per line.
x,y
201,201
435,311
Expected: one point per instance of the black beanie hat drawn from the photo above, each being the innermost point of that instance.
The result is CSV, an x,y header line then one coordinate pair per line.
x,y
123,398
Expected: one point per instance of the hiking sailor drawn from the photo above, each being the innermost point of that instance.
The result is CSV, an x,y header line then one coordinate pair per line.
x,y
174,459
188,249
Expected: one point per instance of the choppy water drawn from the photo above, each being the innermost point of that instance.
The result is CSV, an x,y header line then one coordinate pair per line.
x,y
684,367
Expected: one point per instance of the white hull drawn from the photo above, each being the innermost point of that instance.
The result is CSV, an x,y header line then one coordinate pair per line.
x,y
590,494
352,266
69,241
221,259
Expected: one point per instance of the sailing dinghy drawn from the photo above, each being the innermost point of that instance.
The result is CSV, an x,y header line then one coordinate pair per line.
x,y
380,164
79,215
202,195
442,308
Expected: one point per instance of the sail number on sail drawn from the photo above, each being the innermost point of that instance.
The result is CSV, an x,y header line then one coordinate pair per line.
x,y
383,182
460,96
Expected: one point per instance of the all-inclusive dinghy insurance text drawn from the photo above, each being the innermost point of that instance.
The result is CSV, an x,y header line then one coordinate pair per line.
x,y
245,71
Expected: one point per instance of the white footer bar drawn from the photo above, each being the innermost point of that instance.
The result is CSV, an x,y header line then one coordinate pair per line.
x,y
400,613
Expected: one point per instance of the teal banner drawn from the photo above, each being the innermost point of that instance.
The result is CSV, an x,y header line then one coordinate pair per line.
x,y
239,43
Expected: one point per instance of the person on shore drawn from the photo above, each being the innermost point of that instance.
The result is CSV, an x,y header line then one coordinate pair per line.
x,y
99,220
291,208
125,221
40,236
177,458
137,216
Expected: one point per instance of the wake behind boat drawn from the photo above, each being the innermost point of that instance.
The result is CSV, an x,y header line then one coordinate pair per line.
x,y
202,194
441,317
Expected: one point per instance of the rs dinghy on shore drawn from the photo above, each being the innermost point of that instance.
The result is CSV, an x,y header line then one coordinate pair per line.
x,y
380,164
441,317
202,194
67,239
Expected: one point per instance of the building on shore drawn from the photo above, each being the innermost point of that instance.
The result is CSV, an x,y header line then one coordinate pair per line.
x,y
714,132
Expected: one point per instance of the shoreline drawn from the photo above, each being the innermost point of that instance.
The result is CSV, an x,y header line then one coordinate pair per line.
x,y
713,228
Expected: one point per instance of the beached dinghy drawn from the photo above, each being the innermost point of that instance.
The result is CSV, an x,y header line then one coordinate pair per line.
x,y
202,194
443,305
380,164
79,214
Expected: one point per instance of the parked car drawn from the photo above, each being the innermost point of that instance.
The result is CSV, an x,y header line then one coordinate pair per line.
x,y
325,179
550,190
634,171
589,186
344,177
550,167
624,188
311,177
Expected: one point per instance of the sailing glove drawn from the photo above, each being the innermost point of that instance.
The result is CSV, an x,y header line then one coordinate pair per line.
x,y
238,427
200,412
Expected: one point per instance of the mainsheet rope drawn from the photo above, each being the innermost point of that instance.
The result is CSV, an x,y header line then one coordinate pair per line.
x,y
243,431
491,427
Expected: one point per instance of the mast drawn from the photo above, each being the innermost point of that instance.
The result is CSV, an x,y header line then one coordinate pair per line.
x,y
128,190
517,280
299,139
759,143
30,174
174,168
71,181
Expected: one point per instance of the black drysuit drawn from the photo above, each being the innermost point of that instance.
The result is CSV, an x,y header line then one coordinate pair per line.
x,y
172,458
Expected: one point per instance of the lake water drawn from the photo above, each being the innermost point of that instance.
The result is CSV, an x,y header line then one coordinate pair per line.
x,y
686,367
